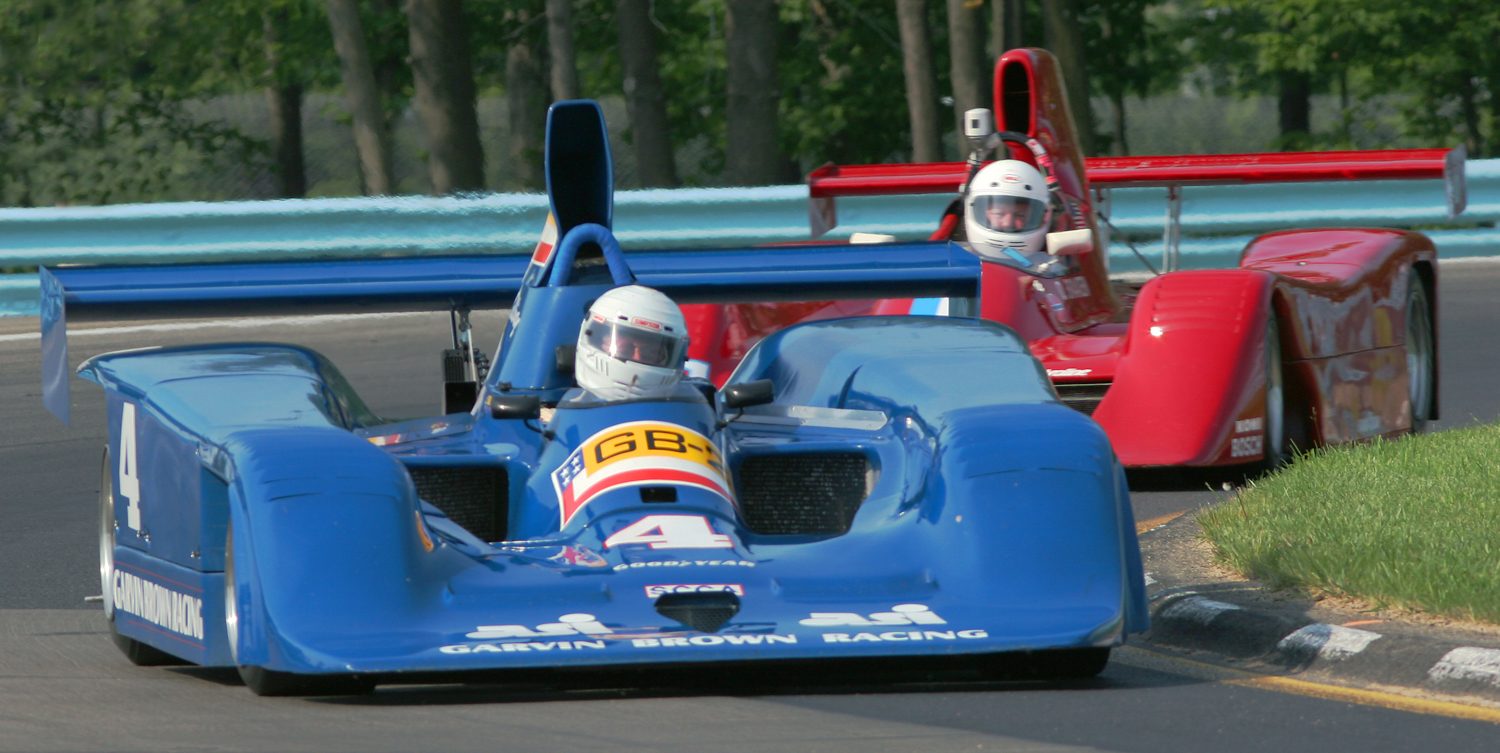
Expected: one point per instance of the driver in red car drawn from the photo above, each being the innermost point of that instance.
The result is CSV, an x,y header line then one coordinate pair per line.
x,y
1007,214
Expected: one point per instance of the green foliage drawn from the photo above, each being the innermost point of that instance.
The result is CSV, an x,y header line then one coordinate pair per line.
x,y
100,94
105,99
1408,523
1434,64
842,85
839,70
1130,51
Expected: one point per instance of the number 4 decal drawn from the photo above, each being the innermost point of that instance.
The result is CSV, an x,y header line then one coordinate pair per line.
x,y
129,484
670,532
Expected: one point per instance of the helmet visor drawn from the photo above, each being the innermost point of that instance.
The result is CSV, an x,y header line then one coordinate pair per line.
x,y
1009,214
626,343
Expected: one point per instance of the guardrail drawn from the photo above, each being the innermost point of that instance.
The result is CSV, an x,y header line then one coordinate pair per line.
x,y
1216,221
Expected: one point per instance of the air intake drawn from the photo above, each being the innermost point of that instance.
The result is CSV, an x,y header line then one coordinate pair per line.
x,y
474,497
1083,398
704,612
814,493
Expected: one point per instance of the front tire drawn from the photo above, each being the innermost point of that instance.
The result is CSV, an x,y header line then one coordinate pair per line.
x,y
267,682
139,654
1420,354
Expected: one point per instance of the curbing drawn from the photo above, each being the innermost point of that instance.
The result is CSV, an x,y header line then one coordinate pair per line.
x,y
1197,607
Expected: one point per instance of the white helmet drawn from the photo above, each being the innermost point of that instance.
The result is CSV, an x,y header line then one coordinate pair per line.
x,y
632,344
1007,207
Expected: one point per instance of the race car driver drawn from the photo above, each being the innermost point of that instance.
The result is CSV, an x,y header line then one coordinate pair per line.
x,y
1007,214
632,344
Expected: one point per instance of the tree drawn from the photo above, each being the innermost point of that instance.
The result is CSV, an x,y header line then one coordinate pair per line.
x,y
1130,55
444,82
969,73
284,101
1065,39
1005,26
645,99
841,89
564,63
98,100
754,155
372,141
921,97
525,102
1435,73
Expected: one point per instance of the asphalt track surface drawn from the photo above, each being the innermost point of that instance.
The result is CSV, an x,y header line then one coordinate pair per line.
x,y
64,687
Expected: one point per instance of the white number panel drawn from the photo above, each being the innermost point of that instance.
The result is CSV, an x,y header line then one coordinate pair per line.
x,y
670,532
127,482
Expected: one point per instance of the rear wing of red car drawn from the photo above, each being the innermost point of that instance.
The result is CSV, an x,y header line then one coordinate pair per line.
x,y
830,181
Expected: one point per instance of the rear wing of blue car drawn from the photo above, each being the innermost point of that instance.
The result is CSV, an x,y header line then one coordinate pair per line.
x,y
801,272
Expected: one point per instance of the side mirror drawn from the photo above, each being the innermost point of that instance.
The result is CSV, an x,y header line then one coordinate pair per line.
x,y
745,394
1070,242
515,407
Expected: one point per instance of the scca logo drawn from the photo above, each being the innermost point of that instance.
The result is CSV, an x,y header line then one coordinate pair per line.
x,y
662,590
901,614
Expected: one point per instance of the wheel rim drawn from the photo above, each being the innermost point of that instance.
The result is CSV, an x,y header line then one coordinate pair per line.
x,y
231,598
1418,354
107,537
1275,396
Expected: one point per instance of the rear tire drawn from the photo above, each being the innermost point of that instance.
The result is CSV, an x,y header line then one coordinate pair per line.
x,y
266,682
139,654
1420,362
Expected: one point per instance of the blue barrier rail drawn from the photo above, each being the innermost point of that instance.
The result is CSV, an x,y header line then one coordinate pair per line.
x,y
1217,221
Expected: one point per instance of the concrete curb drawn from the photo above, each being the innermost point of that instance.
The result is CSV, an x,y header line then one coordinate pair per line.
x,y
1197,607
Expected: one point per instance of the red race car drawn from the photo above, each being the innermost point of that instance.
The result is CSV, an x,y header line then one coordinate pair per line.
x,y
1316,337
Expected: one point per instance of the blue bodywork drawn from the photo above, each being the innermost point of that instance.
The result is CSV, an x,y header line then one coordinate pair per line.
x,y
877,506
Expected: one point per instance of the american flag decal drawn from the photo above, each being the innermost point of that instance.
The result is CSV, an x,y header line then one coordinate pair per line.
x,y
638,453
543,250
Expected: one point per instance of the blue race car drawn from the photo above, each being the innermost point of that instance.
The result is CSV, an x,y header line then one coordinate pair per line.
x,y
845,495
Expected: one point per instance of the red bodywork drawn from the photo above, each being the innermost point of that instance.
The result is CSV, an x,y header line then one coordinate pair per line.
x,y
1174,371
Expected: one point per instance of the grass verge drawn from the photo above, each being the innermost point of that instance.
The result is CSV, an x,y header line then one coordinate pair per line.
x,y
1412,523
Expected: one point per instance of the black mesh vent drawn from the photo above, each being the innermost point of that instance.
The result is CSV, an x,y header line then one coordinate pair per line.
x,y
474,497
807,493
705,612
1083,398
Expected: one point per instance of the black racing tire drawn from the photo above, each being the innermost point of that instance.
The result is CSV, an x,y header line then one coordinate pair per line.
x,y
1421,362
139,654
1274,444
1057,664
266,682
